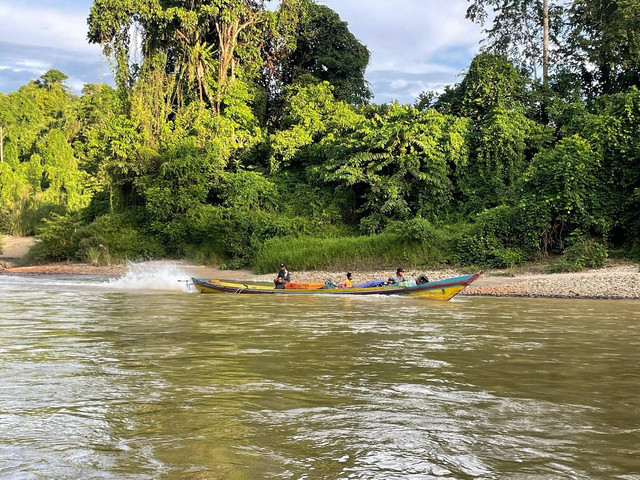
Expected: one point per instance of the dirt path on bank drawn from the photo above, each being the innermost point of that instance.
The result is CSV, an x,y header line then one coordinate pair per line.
x,y
14,248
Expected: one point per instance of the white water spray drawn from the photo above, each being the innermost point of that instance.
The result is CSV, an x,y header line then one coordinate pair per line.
x,y
152,276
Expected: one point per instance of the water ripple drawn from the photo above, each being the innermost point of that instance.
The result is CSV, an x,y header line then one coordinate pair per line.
x,y
133,379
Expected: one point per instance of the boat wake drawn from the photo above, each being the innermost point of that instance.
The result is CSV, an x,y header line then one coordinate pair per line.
x,y
152,276
139,277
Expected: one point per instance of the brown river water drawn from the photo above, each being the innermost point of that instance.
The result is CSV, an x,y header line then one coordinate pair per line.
x,y
138,378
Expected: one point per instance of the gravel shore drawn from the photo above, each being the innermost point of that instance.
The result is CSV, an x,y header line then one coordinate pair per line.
x,y
612,282
615,281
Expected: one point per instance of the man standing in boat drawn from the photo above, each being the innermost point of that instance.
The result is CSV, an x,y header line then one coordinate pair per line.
x,y
283,276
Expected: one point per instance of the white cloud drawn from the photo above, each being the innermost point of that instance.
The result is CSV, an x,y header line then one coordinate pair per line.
x,y
405,35
398,84
48,26
37,35
33,65
415,45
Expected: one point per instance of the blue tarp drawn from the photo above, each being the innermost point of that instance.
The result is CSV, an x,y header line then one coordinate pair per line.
x,y
371,283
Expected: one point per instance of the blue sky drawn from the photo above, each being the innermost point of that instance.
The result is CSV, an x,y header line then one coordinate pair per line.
x,y
415,45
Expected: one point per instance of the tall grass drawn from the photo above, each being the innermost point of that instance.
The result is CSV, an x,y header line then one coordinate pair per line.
x,y
22,219
206,254
352,253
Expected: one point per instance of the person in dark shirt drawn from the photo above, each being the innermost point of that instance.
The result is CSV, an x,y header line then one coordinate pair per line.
x,y
398,277
283,276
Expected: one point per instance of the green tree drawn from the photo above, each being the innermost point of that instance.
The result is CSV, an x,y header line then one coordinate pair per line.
x,y
491,81
62,182
311,113
183,183
501,140
306,44
561,193
498,157
51,78
38,127
203,47
326,49
603,44
614,132
98,104
117,158
520,29
400,164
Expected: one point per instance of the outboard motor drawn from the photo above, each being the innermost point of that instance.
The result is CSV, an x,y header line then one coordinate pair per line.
x,y
329,283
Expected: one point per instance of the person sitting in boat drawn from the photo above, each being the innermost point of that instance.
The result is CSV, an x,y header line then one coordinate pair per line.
x,y
283,276
348,282
398,277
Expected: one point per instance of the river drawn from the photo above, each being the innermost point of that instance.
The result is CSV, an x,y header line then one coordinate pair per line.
x,y
138,378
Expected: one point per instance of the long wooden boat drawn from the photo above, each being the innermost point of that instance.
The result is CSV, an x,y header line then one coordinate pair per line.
x,y
440,290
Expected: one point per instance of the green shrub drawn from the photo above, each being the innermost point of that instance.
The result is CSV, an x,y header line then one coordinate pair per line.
x,y
581,253
487,251
417,229
220,234
24,219
310,253
57,239
117,239
108,238
500,238
441,240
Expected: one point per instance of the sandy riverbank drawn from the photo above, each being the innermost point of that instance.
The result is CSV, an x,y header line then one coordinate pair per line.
x,y
615,281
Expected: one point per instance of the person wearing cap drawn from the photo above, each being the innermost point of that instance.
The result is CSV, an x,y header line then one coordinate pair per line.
x,y
283,276
398,277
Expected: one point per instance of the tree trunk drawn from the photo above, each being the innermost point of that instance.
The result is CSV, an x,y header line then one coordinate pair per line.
x,y
545,42
228,33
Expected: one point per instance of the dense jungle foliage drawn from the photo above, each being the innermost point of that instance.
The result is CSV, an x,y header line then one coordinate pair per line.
x,y
244,136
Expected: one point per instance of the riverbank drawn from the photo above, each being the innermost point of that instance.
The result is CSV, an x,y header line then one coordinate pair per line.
x,y
614,281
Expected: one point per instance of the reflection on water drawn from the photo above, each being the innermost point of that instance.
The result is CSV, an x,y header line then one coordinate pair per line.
x,y
137,379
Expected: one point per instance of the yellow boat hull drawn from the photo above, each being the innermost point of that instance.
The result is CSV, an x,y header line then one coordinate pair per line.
x,y
440,290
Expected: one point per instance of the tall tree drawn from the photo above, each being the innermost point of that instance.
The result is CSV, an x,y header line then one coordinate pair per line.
x,y
491,82
326,49
605,34
52,77
492,94
310,43
521,29
200,45
4,121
